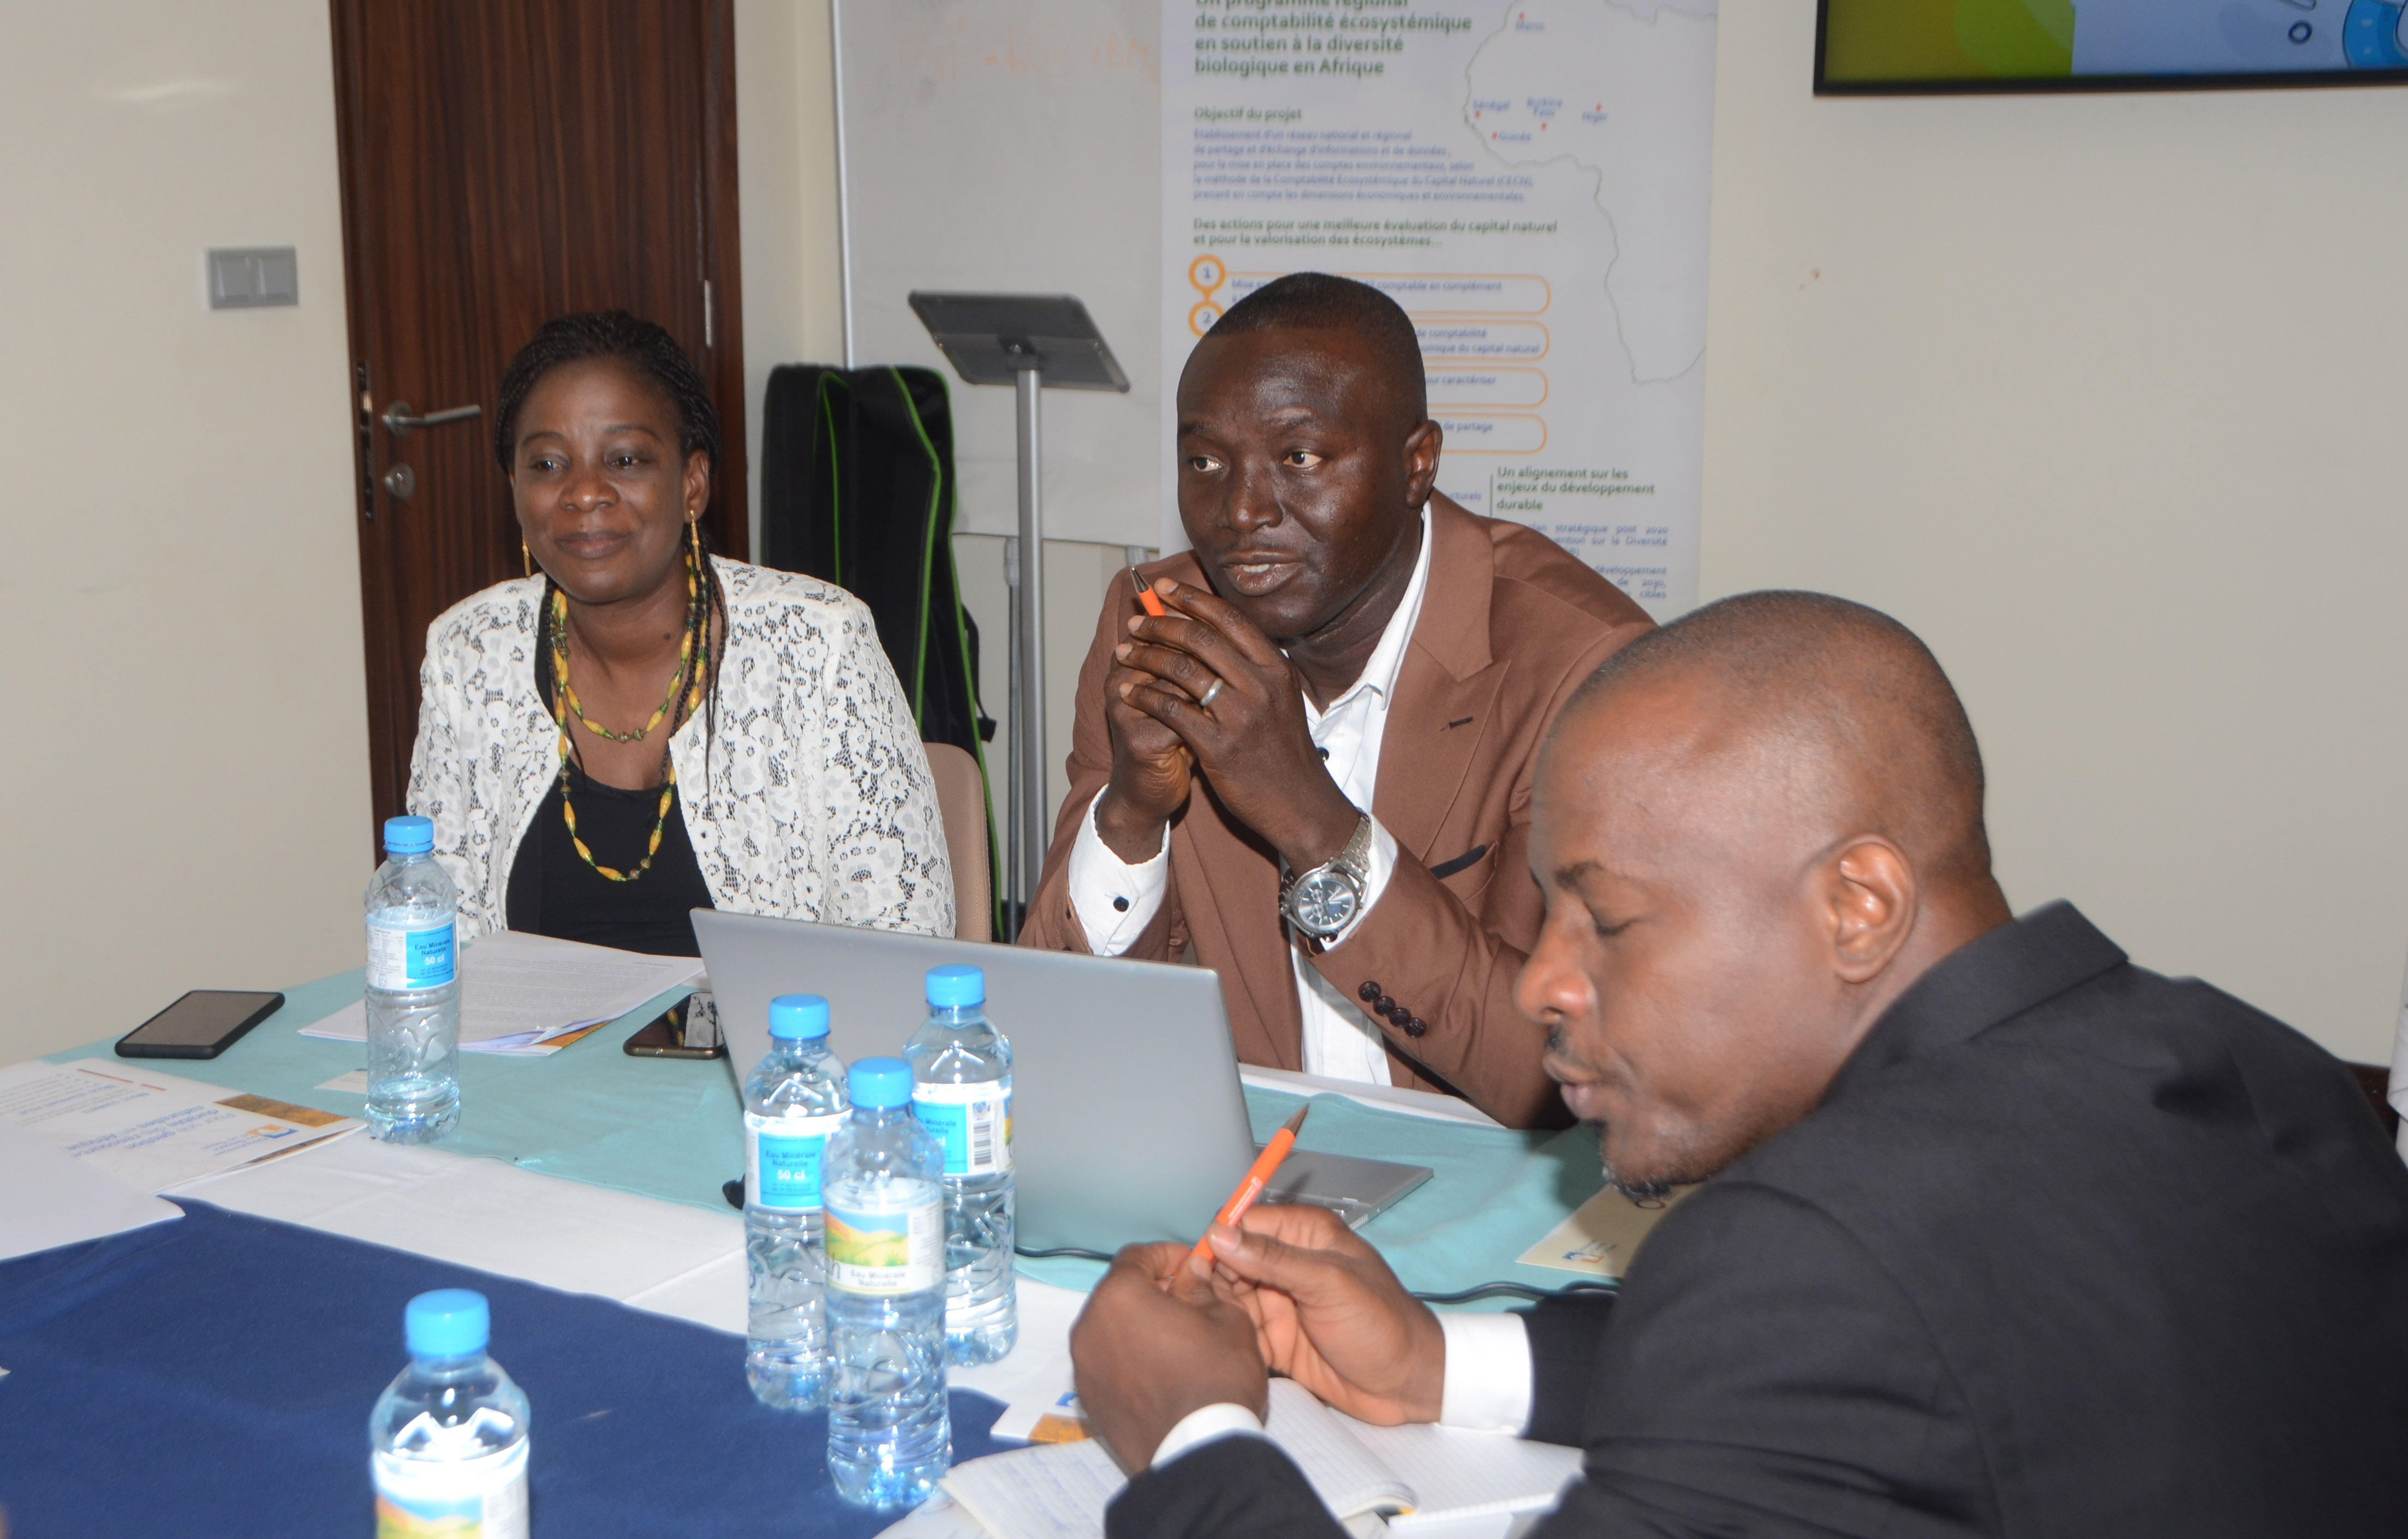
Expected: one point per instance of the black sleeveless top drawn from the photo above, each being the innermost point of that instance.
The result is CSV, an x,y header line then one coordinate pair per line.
x,y
554,892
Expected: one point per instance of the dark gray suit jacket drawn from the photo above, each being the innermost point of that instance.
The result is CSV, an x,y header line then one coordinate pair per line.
x,y
2067,1249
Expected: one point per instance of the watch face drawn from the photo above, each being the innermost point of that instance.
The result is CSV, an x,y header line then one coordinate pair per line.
x,y
1323,902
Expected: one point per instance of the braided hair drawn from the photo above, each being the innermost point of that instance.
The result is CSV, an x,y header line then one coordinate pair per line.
x,y
649,348
609,334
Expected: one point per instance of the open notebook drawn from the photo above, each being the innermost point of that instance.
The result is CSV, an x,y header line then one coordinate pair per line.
x,y
1427,1481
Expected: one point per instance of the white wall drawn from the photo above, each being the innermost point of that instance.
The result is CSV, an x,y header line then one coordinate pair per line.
x,y
2104,397
186,777
793,313
785,170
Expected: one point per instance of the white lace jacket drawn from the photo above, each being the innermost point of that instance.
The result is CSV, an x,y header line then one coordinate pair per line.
x,y
817,802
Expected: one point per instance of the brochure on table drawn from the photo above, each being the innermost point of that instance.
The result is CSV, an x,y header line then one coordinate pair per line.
x,y
154,1131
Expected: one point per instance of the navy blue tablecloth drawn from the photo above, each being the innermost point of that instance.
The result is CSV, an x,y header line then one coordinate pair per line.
x,y
213,1374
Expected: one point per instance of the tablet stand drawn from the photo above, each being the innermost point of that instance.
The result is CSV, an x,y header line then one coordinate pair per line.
x,y
1030,342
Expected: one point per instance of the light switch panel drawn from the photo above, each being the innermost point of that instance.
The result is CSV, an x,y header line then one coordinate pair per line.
x,y
247,277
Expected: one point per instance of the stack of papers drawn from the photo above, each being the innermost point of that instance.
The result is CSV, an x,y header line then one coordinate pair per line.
x,y
86,1145
530,996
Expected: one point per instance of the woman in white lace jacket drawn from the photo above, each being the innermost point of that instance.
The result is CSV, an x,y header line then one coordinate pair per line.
x,y
638,728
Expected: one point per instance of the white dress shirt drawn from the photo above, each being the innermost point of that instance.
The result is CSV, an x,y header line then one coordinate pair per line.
x,y
1115,900
1487,1387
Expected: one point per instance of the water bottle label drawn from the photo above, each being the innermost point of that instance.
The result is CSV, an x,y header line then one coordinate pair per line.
x,y
973,1120
482,1498
409,959
782,1159
897,1250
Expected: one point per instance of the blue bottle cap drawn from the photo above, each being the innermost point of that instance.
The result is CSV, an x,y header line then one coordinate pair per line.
x,y
450,1322
408,836
879,1084
956,984
796,1016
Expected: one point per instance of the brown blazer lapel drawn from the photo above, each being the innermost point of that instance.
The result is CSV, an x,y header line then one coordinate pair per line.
x,y
1445,692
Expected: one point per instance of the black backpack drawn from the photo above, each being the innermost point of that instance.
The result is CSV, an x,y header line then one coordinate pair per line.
x,y
857,487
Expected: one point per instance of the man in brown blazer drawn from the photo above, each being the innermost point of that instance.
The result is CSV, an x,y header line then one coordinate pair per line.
x,y
1314,770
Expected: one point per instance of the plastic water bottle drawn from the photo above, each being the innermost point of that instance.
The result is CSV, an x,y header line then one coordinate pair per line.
x,y
448,1441
890,1438
413,997
961,1070
793,1101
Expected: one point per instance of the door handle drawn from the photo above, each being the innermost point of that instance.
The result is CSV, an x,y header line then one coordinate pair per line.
x,y
398,418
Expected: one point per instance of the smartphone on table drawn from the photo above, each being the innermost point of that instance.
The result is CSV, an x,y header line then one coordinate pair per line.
x,y
686,1029
201,1025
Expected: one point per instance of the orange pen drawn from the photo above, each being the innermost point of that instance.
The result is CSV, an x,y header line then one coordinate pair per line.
x,y
1146,595
1267,1164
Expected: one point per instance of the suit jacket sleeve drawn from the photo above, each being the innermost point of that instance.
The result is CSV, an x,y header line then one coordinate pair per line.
x,y
1232,1486
1764,1376
1452,962
1052,924
1564,1334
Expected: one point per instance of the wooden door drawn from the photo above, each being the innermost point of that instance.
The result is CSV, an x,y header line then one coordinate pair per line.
x,y
505,162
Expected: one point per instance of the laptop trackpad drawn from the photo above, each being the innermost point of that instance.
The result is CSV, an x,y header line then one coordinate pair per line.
x,y
1353,1189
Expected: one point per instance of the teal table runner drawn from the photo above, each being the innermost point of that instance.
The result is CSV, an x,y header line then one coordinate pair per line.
x,y
668,1128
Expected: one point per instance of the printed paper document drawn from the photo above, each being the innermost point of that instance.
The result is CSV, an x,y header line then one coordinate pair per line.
x,y
155,1132
530,996
1600,1236
52,1198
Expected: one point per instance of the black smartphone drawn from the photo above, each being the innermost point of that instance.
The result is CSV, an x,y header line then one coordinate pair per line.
x,y
666,1036
201,1025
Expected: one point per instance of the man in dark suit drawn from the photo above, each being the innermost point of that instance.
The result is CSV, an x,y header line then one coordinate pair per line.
x,y
1314,770
2004,1235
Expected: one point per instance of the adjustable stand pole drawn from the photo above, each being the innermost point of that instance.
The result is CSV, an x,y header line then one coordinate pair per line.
x,y
1030,342
1029,834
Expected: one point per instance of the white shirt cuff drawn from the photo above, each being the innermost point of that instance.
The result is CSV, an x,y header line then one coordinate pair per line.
x,y
1205,1426
1115,900
1487,1372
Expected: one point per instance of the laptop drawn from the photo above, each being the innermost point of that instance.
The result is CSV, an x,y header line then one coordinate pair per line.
x,y
1128,1122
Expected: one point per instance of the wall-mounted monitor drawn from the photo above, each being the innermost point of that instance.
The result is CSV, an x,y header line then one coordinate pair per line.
x,y
1901,47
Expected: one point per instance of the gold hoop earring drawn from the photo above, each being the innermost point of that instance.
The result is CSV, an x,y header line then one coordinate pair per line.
x,y
527,556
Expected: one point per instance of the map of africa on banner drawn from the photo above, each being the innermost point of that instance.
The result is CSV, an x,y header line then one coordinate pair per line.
x,y
1529,180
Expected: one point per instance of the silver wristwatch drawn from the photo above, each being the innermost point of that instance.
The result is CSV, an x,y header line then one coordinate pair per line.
x,y
1323,902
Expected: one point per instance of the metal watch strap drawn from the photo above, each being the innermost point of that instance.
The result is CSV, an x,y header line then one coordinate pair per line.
x,y
1355,857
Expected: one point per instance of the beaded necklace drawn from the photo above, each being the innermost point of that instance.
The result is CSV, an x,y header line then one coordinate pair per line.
x,y
676,680
697,623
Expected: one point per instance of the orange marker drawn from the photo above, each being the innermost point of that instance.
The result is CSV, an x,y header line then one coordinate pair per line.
x,y
1267,1165
1146,595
